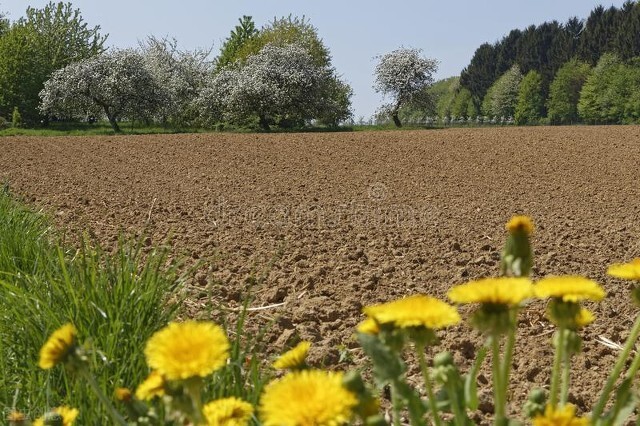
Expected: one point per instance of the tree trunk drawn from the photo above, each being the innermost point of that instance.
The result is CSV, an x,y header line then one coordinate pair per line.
x,y
396,119
264,123
394,115
114,123
111,117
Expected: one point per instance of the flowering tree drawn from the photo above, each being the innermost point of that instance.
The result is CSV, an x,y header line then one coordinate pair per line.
x,y
116,84
502,97
333,95
279,85
404,75
182,74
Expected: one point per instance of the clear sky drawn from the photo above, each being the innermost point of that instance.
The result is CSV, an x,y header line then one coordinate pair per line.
x,y
354,31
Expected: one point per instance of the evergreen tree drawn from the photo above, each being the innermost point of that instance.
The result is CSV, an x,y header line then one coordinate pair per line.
x,y
627,38
564,92
507,52
599,34
530,106
241,34
480,74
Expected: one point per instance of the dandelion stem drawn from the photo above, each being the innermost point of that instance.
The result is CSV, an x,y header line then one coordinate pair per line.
x,y
115,416
395,405
508,354
617,369
635,365
499,410
566,370
429,386
194,389
557,367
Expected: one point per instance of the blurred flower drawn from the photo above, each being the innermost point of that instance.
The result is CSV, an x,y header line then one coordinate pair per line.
x,y
368,326
584,318
569,288
187,349
122,394
414,311
16,418
228,412
153,386
65,414
626,271
293,358
58,347
565,416
520,223
308,397
503,291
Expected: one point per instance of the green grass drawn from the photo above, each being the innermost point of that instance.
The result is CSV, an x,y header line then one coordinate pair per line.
x,y
86,129
116,299
128,128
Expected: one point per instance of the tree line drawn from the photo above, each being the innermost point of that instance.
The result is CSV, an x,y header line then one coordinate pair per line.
x,y
582,70
54,66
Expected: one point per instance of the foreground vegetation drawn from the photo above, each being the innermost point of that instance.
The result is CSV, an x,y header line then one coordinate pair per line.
x,y
110,321
117,298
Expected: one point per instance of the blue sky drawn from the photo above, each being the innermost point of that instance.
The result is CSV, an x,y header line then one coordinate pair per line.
x,y
354,31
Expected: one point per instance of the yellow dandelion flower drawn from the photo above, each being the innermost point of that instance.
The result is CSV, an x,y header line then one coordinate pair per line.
x,y
122,394
499,291
584,318
152,386
67,414
58,347
565,416
520,223
293,358
626,271
307,398
414,311
569,288
368,326
187,349
228,412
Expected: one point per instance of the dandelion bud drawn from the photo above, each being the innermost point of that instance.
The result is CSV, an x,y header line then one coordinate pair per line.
x,y
517,257
123,394
16,418
535,403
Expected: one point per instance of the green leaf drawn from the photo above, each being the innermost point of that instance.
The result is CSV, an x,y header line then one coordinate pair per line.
x,y
387,365
470,384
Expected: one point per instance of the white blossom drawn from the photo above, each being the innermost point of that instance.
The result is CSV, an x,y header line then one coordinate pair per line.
x,y
182,75
115,84
404,75
279,84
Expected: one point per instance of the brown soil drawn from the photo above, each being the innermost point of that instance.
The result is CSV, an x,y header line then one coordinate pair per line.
x,y
338,221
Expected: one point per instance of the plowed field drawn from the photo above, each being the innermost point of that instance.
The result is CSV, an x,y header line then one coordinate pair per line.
x,y
337,221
